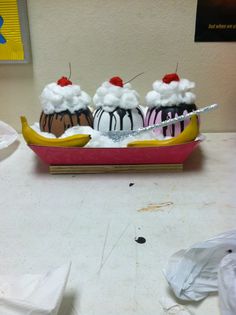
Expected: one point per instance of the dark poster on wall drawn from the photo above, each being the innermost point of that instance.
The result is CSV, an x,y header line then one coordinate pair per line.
x,y
216,21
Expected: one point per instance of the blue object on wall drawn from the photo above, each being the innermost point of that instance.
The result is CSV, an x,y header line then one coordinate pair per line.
x,y
2,38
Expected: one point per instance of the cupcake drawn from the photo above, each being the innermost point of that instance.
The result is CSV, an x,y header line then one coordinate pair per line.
x,y
64,106
117,107
170,98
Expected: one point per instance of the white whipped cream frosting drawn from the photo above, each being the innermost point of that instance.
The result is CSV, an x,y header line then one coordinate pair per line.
x,y
56,98
109,97
174,93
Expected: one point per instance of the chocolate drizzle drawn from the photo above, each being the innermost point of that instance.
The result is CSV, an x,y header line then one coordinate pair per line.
x,y
131,119
121,114
113,123
168,112
57,123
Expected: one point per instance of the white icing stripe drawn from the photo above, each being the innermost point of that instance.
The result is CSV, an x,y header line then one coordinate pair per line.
x,y
174,93
109,96
56,98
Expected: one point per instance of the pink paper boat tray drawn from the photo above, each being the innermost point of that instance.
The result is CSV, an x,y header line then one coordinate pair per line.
x,y
79,157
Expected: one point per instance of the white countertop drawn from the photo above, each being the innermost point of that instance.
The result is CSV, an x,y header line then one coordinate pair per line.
x,y
92,221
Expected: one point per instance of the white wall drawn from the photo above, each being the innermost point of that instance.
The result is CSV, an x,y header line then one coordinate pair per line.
x,y
103,38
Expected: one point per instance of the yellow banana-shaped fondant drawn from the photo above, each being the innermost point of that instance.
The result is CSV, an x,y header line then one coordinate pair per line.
x,y
32,137
188,134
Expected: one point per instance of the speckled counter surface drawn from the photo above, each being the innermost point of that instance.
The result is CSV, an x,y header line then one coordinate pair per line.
x,y
93,220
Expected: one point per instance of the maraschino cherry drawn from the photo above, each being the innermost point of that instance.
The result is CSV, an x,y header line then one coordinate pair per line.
x,y
170,77
64,81
117,81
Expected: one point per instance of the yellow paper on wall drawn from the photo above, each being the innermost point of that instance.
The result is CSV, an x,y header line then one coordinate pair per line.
x,y
11,45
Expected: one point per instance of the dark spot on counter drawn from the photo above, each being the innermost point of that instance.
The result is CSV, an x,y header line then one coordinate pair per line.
x,y
131,184
140,240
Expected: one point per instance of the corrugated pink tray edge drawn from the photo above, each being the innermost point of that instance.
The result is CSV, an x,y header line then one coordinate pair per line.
x,y
175,154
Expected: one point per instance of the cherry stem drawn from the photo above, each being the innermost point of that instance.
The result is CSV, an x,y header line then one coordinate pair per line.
x,y
70,70
137,75
177,65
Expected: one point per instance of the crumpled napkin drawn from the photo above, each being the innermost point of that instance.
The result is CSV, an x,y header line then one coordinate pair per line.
x,y
7,135
192,273
227,285
33,294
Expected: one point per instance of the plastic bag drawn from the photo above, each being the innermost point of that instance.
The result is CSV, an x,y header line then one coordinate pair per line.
x,y
33,294
227,285
7,135
193,273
